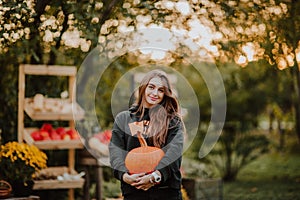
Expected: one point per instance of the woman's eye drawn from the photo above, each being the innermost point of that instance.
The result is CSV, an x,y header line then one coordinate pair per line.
x,y
151,87
161,90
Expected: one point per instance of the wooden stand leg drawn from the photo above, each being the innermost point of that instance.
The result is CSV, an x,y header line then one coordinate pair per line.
x,y
71,169
71,194
99,182
86,187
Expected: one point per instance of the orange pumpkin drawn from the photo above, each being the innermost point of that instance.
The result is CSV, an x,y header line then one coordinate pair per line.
x,y
143,159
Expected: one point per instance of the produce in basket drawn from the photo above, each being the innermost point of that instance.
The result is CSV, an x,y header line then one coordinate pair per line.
x,y
38,102
47,132
99,142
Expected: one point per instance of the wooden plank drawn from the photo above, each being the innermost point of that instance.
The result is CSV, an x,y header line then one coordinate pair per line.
x,y
22,198
21,103
28,139
52,144
71,194
72,90
56,184
54,70
71,160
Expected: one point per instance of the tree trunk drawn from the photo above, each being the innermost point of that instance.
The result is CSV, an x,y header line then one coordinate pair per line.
x,y
281,135
271,119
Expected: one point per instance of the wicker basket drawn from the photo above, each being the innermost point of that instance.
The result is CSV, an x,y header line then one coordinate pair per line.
x,y
5,189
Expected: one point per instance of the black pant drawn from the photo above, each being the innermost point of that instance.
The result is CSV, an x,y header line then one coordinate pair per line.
x,y
155,194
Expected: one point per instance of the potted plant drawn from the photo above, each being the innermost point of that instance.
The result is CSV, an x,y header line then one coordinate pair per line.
x,y
18,164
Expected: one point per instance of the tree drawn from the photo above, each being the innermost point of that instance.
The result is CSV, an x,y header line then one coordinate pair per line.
x,y
240,142
271,32
58,32
248,91
44,32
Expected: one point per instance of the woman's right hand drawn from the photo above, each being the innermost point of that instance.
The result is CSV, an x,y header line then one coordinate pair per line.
x,y
133,178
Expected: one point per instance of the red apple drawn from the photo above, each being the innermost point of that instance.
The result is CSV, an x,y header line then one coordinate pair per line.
x,y
46,127
45,135
36,136
61,130
65,136
54,135
73,134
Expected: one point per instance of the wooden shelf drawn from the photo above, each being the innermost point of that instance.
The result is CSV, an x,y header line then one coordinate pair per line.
x,y
52,144
22,198
52,70
48,109
58,184
72,112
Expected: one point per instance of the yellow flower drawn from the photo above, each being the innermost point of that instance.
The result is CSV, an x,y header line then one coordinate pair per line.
x,y
19,161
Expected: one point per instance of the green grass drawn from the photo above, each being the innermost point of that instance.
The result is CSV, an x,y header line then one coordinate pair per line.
x,y
273,177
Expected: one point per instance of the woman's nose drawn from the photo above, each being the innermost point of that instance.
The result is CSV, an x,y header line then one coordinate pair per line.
x,y
155,91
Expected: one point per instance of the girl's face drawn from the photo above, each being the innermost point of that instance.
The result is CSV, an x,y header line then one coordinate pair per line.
x,y
154,92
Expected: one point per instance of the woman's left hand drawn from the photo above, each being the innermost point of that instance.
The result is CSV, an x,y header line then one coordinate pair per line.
x,y
143,183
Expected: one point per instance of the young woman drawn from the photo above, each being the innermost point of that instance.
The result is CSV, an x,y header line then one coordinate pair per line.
x,y
157,106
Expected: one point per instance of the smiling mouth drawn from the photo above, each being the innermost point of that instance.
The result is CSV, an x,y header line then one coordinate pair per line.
x,y
153,99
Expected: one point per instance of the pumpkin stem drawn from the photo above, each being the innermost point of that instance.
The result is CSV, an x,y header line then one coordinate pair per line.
x,y
141,139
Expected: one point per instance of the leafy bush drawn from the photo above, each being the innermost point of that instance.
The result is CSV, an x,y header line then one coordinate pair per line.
x,y
235,150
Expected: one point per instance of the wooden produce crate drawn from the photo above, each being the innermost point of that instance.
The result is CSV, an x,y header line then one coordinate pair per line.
x,y
64,110
55,183
52,144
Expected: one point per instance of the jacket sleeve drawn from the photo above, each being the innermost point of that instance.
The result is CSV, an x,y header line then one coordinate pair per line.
x,y
117,147
171,162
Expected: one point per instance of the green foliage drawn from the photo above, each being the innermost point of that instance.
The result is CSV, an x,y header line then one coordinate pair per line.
x,y
235,150
9,102
193,168
247,98
111,189
277,189
246,93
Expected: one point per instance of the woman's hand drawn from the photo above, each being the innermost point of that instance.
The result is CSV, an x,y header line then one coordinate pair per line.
x,y
133,178
144,183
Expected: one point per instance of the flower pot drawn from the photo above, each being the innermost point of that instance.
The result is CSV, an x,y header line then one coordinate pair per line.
x,y
21,188
5,189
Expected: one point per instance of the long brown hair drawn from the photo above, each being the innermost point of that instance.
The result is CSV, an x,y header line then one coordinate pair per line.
x,y
161,114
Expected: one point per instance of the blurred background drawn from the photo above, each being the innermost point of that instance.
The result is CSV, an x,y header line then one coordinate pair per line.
x,y
254,46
